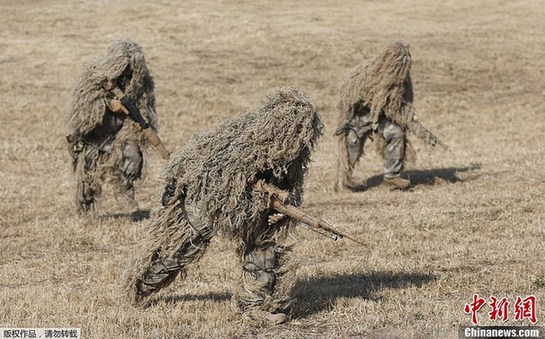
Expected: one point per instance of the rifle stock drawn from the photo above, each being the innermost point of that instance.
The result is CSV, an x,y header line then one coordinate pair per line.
x,y
318,225
154,140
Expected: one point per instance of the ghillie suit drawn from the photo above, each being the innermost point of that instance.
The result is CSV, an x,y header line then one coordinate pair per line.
x,y
210,187
105,145
376,100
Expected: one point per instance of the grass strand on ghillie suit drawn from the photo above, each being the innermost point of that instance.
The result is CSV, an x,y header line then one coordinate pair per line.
x,y
209,187
380,87
103,144
382,83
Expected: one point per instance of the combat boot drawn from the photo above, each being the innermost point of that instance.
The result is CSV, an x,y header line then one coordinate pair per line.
x,y
397,183
271,318
276,318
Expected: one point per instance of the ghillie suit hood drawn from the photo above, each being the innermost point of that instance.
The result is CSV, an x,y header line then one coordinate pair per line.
x,y
215,173
123,64
382,84
221,167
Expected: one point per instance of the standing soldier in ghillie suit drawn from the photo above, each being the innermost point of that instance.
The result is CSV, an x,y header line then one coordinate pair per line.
x,y
376,101
104,143
212,185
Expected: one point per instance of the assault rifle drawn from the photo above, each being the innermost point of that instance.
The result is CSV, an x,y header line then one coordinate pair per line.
x,y
317,225
129,108
415,126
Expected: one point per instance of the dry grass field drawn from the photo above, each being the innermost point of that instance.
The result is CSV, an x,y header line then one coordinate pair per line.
x,y
474,222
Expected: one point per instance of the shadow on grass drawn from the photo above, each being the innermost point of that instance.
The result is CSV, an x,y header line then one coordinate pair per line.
x,y
319,293
429,177
189,297
134,216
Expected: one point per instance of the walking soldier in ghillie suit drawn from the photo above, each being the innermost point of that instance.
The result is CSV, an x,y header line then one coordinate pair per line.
x,y
213,185
104,143
376,101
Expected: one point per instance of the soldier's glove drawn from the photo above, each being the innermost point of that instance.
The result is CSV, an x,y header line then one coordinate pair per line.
x,y
115,105
275,218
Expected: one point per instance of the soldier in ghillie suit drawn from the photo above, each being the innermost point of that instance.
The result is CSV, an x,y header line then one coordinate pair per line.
x,y
211,186
104,143
376,102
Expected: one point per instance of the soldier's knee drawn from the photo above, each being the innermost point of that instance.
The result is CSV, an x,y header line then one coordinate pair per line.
x,y
393,133
258,278
132,161
354,147
260,264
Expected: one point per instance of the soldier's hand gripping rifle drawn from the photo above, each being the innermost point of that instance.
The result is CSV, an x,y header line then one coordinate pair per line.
x,y
318,225
127,106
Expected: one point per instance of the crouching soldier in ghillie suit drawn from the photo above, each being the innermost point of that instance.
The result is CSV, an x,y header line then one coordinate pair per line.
x,y
376,102
104,143
211,186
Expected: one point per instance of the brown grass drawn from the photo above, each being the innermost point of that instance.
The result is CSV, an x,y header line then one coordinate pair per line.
x,y
478,71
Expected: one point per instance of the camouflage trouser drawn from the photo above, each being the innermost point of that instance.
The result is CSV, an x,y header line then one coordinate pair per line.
x,y
89,183
130,166
394,153
267,282
393,135
264,285
192,240
165,267
91,166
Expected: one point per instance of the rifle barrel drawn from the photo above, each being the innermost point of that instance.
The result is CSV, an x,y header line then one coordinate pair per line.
x,y
316,224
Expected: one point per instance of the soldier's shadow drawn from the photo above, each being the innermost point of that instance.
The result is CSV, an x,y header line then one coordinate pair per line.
x,y
319,293
174,299
133,216
432,176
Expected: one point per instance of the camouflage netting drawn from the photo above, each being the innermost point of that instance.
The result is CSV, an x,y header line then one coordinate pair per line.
x,y
107,145
216,173
89,98
383,84
381,87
